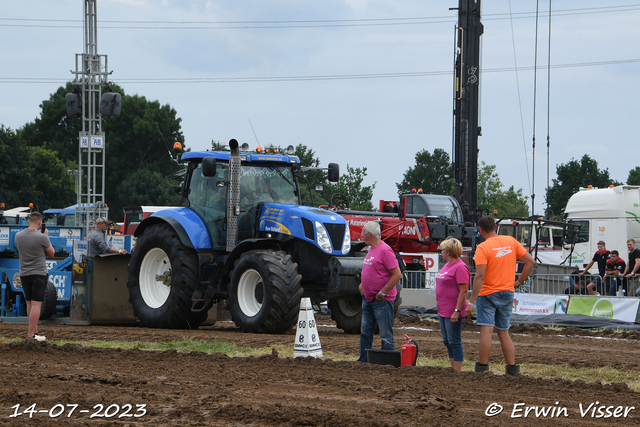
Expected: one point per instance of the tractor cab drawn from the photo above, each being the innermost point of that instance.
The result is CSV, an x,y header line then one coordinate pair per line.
x,y
209,194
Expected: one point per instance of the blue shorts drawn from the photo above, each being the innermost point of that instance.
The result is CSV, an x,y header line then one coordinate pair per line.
x,y
495,310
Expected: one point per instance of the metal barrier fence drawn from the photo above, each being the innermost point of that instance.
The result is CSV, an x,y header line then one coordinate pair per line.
x,y
551,284
556,284
418,280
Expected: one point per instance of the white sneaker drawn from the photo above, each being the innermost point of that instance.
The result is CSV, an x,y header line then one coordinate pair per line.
x,y
39,337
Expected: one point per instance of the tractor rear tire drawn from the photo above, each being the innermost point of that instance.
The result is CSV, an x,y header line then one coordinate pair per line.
x,y
347,311
48,307
265,292
163,274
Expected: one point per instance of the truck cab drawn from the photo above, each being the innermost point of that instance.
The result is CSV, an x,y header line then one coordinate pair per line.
x,y
608,214
432,205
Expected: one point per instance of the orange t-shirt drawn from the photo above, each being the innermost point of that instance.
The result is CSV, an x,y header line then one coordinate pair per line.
x,y
500,255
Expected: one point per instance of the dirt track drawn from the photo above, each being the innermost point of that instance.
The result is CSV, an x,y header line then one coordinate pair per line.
x,y
199,389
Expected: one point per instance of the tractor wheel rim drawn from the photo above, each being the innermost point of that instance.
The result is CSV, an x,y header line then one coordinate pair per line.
x,y
155,278
250,282
350,307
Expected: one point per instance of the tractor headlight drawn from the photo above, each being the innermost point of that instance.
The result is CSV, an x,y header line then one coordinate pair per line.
x,y
346,242
323,238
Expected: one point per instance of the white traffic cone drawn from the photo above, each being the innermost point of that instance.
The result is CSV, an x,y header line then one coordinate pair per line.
x,y
307,339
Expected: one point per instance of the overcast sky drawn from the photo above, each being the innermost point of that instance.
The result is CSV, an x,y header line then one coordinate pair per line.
x,y
366,83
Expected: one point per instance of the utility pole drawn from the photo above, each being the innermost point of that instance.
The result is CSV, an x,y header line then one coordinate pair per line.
x,y
90,76
466,113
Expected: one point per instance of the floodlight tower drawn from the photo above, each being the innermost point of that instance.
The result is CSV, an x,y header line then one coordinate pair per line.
x,y
90,76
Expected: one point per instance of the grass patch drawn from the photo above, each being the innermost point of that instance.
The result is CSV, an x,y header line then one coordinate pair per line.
x,y
606,375
186,346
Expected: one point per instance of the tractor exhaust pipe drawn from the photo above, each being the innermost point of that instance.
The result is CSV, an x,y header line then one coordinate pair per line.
x,y
233,209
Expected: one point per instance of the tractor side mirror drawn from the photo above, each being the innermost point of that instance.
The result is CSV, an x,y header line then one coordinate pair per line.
x,y
209,166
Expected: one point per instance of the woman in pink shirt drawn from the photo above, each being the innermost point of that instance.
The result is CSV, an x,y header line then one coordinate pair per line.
x,y
452,285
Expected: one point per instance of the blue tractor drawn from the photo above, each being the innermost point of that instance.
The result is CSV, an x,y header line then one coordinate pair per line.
x,y
242,236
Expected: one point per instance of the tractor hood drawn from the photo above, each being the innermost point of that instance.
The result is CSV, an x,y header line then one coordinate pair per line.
x,y
328,230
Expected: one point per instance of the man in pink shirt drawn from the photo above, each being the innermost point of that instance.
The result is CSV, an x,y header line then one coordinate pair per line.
x,y
380,274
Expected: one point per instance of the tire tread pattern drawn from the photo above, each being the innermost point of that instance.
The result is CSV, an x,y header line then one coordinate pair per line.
x,y
280,307
48,308
176,312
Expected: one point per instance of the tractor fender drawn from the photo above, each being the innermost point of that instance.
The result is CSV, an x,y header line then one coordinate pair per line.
x,y
191,229
279,244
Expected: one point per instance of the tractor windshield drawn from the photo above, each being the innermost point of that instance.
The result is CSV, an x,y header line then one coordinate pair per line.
x,y
267,184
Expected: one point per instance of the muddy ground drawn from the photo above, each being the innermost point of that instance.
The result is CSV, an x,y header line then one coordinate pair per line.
x,y
107,385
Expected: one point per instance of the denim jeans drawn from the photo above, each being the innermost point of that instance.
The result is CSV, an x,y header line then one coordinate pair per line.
x,y
495,310
452,338
374,313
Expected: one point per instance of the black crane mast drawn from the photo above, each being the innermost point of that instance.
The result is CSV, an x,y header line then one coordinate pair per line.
x,y
466,112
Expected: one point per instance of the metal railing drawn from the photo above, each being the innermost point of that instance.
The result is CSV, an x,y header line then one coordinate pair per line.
x,y
551,284
418,280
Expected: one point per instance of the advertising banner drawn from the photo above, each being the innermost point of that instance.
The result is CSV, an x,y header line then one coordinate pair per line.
x,y
120,242
624,309
537,304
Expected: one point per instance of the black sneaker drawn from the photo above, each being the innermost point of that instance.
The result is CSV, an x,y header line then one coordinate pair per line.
x,y
513,370
480,367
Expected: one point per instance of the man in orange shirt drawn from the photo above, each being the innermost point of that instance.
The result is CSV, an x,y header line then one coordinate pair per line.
x,y
493,288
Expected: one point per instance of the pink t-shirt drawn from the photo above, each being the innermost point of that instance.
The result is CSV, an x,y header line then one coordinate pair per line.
x,y
447,281
376,271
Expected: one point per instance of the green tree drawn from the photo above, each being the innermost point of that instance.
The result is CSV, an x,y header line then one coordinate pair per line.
x,y
432,173
634,176
54,128
144,187
350,184
16,178
141,138
53,187
312,178
570,177
492,197
32,175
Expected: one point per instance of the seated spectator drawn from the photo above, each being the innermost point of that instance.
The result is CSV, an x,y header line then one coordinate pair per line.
x,y
613,273
584,286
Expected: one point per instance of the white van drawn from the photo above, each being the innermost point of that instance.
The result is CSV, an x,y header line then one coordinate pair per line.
x,y
608,214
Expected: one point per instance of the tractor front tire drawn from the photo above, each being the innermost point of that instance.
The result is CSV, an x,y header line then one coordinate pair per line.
x,y
48,307
265,292
163,274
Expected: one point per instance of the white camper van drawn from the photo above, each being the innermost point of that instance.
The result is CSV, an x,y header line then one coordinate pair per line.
x,y
609,214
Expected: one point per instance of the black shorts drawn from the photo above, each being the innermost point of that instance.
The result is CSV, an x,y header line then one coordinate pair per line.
x,y
33,287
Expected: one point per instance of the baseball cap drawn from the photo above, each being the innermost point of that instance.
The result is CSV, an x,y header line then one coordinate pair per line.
x,y
103,220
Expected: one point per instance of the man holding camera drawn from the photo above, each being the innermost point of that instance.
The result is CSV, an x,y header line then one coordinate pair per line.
x,y
33,249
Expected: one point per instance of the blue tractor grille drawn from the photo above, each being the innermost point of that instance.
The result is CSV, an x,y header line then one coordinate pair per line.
x,y
336,234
